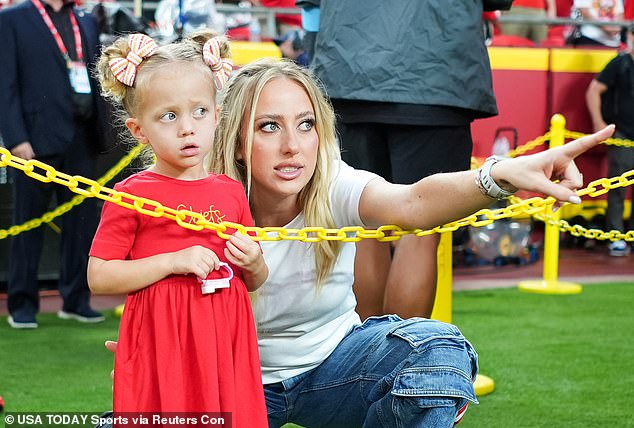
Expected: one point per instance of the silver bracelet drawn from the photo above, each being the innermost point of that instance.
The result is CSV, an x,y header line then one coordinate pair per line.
x,y
487,184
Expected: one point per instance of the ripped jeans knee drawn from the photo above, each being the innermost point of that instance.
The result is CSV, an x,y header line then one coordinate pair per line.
x,y
386,373
433,384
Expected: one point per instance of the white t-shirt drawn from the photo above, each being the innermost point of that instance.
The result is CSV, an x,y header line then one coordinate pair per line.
x,y
601,10
299,327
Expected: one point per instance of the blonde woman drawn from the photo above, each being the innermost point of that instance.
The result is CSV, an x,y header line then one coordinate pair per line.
x,y
321,366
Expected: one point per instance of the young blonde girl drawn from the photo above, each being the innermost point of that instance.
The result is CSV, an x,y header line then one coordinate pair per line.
x,y
187,337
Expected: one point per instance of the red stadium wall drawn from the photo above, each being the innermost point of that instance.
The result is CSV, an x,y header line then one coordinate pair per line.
x,y
520,82
531,85
571,71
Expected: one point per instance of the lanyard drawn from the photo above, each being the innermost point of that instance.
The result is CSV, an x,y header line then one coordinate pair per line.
x,y
58,39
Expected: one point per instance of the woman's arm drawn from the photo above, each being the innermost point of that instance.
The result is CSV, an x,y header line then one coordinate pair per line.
x,y
442,198
126,276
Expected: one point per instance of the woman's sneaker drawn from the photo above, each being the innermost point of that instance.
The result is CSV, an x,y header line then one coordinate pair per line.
x,y
618,248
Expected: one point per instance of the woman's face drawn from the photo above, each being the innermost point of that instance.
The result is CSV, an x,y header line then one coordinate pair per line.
x,y
285,142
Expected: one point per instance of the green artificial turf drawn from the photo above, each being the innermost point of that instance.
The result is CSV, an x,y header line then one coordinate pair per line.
x,y
62,366
557,361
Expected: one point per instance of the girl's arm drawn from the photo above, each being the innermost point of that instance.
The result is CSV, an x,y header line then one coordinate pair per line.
x,y
442,198
126,276
245,253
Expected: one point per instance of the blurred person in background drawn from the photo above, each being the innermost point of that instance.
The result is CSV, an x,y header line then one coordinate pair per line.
x,y
51,111
628,7
284,22
292,47
406,80
610,99
591,10
529,9
310,24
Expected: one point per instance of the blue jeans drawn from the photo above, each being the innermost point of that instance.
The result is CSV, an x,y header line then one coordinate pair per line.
x,y
388,373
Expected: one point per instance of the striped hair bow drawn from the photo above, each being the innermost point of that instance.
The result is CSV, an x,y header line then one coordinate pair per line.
x,y
124,69
221,67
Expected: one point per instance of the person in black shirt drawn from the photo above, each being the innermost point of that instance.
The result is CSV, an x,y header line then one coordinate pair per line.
x,y
610,98
406,80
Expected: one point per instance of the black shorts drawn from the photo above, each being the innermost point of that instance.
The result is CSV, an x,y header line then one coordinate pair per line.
x,y
404,154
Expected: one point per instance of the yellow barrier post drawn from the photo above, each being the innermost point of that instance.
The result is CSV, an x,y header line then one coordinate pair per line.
x,y
443,302
550,284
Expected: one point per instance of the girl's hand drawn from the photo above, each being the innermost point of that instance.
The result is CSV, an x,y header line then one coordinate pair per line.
x,y
197,260
537,173
246,254
243,252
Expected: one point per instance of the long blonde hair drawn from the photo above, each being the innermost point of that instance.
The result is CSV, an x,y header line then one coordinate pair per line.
x,y
240,99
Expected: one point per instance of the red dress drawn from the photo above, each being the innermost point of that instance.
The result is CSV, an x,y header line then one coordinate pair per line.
x,y
180,350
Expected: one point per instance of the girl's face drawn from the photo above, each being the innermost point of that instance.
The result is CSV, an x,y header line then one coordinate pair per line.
x,y
285,142
177,117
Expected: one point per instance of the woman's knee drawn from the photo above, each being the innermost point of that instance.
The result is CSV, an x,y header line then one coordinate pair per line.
x,y
442,363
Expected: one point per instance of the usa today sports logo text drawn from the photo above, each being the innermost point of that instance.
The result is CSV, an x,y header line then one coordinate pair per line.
x,y
90,420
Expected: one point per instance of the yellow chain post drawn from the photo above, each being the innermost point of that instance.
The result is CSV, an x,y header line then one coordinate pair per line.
x,y
550,283
443,303
484,385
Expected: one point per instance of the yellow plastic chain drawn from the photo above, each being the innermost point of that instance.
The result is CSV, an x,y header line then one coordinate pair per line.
x,y
594,189
530,145
610,141
195,221
48,217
